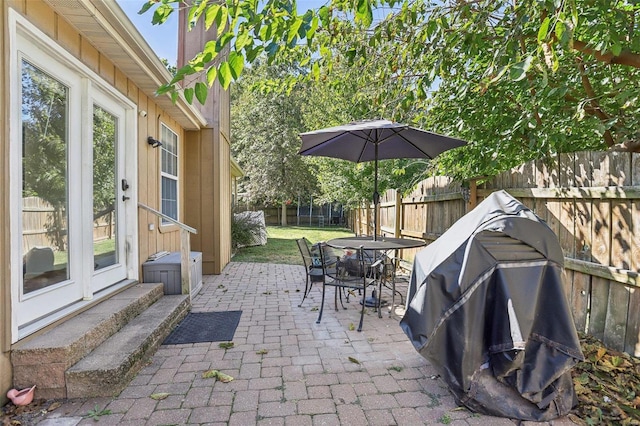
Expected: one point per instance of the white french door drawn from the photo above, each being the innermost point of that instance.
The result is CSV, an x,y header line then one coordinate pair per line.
x,y
73,213
109,194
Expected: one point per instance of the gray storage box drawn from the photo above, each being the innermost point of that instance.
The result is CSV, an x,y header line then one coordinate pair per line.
x,y
167,270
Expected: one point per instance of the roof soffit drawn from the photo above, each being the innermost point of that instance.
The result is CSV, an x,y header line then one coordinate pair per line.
x,y
109,30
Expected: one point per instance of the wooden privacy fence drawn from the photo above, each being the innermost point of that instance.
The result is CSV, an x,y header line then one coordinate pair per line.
x,y
37,216
591,200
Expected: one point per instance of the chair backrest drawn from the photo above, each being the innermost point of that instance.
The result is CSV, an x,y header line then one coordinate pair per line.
x,y
305,253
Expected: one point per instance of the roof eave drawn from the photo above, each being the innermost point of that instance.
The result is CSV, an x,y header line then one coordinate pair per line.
x,y
105,25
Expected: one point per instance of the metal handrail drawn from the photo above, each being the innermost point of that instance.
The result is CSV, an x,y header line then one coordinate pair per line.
x,y
185,248
168,219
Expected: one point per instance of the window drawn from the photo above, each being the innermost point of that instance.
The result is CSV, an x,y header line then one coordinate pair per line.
x,y
169,173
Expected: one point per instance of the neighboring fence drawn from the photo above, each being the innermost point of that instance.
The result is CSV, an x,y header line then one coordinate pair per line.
x,y
321,215
37,217
592,202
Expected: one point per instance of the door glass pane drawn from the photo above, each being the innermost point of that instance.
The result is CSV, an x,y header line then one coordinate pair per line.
x,y
105,131
44,183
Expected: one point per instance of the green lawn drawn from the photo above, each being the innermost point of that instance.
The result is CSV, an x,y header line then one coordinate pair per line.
x,y
281,244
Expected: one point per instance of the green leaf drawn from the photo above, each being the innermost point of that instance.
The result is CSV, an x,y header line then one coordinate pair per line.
x,y
323,13
312,29
146,7
243,39
212,74
221,21
188,94
364,13
293,30
544,29
201,92
616,49
165,88
224,75
211,14
236,64
519,70
161,14
223,41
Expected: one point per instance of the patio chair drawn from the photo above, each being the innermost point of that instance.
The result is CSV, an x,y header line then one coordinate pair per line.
x,y
396,271
314,269
349,271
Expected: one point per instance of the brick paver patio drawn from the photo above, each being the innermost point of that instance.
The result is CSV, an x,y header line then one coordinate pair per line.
x,y
287,369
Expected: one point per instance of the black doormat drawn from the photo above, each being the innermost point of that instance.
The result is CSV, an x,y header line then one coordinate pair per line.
x,y
199,327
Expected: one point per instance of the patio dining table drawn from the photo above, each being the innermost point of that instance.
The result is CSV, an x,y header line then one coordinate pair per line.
x,y
382,244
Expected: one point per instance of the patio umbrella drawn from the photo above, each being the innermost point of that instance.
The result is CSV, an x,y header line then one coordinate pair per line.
x,y
374,140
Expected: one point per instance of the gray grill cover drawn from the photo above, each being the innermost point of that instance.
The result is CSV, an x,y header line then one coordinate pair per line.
x,y
486,307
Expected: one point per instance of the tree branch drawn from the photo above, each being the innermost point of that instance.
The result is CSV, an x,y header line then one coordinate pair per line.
x,y
593,102
624,58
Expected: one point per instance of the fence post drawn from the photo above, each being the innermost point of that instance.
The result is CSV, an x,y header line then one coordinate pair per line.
x,y
473,195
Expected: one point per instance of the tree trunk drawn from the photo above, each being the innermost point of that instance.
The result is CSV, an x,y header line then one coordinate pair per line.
x,y
284,214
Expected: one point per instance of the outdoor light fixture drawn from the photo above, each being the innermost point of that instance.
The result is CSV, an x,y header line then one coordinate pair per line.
x,y
153,142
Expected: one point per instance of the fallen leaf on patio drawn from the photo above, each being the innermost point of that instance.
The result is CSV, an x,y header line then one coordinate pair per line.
x,y
315,308
352,326
353,360
262,352
225,345
220,286
211,374
267,293
224,378
218,375
55,405
297,290
286,291
159,396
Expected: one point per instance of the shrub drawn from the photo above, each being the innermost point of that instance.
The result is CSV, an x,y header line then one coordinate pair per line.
x,y
245,231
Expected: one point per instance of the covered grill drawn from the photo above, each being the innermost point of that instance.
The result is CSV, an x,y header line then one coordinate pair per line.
x,y
486,307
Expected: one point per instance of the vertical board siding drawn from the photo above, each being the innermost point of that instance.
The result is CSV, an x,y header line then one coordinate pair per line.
x,y
591,200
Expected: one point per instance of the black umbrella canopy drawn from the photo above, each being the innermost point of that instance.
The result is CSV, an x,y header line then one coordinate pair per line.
x,y
374,140
357,142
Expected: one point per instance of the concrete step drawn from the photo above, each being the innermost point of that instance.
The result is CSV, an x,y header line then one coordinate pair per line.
x,y
43,359
110,367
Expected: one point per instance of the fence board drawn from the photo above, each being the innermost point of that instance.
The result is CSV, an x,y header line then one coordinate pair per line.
x,y
582,225
583,169
616,318
621,237
601,231
632,338
566,170
599,304
580,299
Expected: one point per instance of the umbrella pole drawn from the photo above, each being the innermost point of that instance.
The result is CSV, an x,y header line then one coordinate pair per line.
x,y
376,196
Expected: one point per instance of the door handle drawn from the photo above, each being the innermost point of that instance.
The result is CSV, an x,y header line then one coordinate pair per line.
x,y
125,198
125,184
